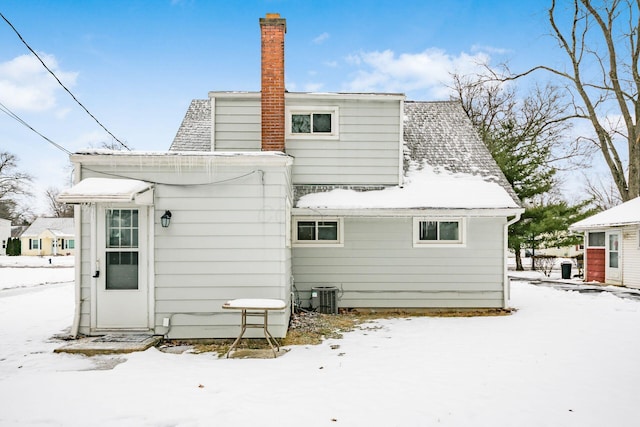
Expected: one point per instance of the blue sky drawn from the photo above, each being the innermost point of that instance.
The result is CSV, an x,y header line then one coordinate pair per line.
x,y
137,64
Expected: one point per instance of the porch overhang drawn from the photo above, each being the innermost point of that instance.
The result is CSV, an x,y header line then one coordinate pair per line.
x,y
108,190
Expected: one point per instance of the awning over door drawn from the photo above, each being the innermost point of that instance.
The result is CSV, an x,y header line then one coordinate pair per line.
x,y
108,190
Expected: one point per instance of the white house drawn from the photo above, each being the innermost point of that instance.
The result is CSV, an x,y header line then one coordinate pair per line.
x,y
612,241
5,234
274,194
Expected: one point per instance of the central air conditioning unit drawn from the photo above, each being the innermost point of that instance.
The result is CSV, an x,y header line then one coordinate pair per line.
x,y
324,299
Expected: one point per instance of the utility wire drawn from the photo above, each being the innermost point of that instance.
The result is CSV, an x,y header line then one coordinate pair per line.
x,y
170,184
14,116
61,84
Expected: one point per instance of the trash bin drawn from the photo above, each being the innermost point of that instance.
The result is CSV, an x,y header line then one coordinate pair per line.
x,y
566,269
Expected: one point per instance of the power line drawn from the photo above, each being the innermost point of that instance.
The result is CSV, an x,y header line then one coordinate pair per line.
x,y
14,116
61,84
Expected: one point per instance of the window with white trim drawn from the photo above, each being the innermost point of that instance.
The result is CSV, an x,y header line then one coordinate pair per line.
x,y
596,239
318,231
438,231
312,122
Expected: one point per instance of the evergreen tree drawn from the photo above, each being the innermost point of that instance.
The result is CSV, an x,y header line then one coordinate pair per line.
x,y
523,137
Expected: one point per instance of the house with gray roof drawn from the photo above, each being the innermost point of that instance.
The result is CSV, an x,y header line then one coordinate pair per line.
x,y
326,201
49,236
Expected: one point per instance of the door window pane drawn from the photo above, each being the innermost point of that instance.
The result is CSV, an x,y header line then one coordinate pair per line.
x,y
613,250
613,259
122,270
122,228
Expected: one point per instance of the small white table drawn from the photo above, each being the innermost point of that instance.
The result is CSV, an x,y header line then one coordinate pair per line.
x,y
256,308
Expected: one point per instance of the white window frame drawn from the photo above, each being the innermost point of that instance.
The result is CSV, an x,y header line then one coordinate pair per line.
x,y
335,122
589,245
462,233
316,243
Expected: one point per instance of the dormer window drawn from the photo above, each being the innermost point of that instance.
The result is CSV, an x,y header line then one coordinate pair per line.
x,y
312,122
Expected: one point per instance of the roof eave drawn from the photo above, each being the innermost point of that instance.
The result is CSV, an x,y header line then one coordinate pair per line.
x,y
405,212
602,225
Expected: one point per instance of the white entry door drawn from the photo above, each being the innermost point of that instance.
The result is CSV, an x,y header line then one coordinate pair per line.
x,y
122,288
613,256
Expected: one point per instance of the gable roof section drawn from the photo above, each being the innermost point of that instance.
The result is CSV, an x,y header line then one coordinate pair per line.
x,y
440,135
439,139
57,226
194,134
627,213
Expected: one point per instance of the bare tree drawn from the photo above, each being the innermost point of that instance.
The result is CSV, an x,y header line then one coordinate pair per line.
x,y
540,116
13,185
57,209
604,195
605,34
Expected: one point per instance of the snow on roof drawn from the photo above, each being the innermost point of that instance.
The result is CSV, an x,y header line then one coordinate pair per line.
x,y
440,134
424,188
57,226
626,213
104,189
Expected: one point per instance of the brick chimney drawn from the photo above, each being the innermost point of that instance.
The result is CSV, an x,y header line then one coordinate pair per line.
x,y
272,29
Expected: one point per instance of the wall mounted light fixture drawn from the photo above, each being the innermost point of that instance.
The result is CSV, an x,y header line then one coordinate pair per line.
x,y
165,219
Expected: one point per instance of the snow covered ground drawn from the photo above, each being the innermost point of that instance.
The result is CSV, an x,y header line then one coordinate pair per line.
x,y
563,359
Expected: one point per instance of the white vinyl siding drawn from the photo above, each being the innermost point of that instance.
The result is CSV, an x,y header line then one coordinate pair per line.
x,y
367,152
383,269
631,257
237,124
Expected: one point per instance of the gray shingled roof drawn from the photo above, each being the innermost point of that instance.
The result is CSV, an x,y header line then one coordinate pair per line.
x,y
440,134
194,134
436,133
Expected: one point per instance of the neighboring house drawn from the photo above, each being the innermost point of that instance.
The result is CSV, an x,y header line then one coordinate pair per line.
x,y
275,194
562,252
5,234
49,236
613,245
